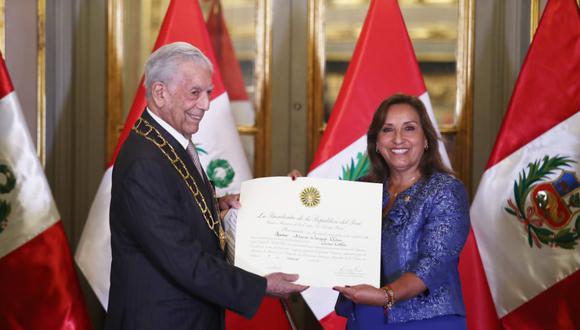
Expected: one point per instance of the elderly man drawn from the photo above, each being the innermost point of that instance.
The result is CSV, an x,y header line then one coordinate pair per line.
x,y
168,269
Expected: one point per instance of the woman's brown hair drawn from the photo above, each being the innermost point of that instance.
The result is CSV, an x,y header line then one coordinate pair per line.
x,y
430,161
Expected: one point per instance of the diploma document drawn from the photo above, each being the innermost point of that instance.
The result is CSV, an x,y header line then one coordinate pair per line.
x,y
327,231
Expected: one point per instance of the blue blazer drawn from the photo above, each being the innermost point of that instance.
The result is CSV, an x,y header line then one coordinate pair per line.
x,y
168,271
423,233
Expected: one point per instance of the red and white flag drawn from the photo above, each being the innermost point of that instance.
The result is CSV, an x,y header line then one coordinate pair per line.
x,y
39,288
217,141
383,64
523,271
271,314
227,61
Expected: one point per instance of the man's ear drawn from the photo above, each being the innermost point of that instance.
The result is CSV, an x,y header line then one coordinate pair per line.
x,y
159,94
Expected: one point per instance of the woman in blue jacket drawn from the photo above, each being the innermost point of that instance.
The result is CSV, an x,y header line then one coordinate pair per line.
x,y
425,225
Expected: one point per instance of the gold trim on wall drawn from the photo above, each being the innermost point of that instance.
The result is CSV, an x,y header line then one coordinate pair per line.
x,y
534,17
316,68
2,28
464,95
40,73
115,81
247,130
263,93
41,82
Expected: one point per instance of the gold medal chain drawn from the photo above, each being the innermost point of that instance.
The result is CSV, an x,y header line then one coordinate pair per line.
x,y
169,152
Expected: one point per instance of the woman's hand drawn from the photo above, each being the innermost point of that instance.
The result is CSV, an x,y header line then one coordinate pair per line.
x,y
228,202
363,294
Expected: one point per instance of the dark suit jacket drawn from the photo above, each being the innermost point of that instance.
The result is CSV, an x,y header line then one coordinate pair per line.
x,y
168,271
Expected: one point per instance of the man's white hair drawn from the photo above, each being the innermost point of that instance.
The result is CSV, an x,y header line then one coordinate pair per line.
x,y
161,66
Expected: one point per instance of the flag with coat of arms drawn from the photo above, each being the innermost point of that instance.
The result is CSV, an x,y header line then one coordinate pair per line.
x,y
39,288
521,268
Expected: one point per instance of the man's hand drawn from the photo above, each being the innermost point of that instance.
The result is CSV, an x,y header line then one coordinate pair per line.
x,y
281,285
363,294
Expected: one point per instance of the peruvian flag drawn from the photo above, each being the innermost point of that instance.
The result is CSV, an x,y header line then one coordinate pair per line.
x,y
521,270
227,61
271,314
39,288
217,140
383,64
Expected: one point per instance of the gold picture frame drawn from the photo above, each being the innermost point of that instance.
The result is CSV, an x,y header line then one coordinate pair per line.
x,y
41,82
2,27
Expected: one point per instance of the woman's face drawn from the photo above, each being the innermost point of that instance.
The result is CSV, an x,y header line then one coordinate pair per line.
x,y
401,141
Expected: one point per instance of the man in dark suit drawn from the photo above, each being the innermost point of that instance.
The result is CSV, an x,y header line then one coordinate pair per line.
x,y
169,269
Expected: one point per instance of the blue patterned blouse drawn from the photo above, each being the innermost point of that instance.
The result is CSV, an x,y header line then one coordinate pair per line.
x,y
423,233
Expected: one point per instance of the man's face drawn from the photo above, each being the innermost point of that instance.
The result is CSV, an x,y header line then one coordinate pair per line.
x,y
187,97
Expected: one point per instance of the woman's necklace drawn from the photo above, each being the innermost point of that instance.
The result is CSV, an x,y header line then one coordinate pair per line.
x,y
395,192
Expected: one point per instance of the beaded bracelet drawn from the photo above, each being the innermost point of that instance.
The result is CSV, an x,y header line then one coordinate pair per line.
x,y
389,298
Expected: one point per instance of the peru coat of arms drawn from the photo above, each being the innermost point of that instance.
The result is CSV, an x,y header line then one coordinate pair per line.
x,y
549,210
7,183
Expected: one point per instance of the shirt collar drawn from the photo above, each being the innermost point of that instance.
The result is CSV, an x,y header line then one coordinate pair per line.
x,y
180,138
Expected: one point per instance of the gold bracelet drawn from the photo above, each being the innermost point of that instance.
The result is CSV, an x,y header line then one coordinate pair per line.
x,y
389,298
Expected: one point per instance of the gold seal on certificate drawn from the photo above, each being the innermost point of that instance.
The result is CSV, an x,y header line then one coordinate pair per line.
x,y
310,197
327,231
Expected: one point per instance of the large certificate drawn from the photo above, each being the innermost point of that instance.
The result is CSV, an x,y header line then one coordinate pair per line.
x,y
327,231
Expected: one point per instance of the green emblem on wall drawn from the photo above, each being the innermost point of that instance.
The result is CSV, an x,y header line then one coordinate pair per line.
x,y
220,172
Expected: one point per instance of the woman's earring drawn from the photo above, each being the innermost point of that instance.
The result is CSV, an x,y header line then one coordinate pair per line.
x,y
377,149
426,146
